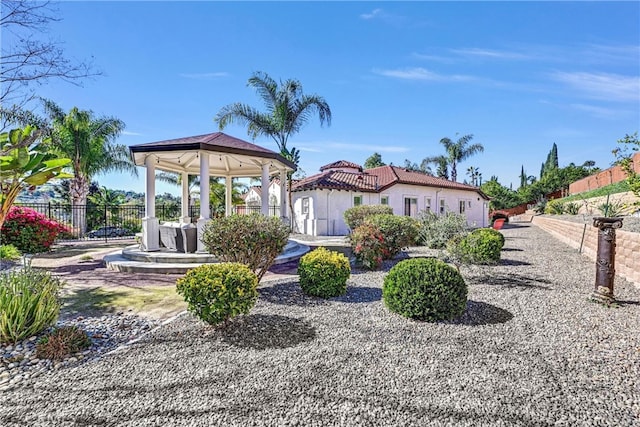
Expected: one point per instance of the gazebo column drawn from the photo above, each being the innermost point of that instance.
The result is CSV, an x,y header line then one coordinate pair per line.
x,y
205,211
284,199
228,195
185,218
150,225
264,196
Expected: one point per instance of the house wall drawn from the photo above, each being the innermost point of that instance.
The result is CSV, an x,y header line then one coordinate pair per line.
x,y
326,207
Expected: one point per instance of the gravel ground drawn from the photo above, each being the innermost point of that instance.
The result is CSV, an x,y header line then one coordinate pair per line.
x,y
530,350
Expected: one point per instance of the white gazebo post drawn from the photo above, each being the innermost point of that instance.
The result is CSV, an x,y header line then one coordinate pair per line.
x,y
205,211
283,193
264,193
228,195
150,225
185,218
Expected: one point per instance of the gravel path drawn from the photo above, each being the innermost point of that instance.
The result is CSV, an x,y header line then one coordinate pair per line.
x,y
530,350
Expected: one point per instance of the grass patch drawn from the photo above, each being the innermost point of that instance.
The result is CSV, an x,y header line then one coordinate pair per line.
x,y
159,301
618,187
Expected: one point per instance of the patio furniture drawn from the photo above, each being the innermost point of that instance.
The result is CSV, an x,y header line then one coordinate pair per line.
x,y
179,237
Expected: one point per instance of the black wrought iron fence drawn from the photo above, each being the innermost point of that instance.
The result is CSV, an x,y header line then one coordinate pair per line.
x,y
120,221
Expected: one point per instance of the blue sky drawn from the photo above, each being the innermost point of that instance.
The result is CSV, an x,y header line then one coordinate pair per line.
x,y
398,76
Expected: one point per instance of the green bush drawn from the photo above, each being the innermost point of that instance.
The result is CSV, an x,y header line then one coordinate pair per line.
x,y
28,303
425,289
397,231
367,244
554,207
611,209
324,273
254,240
572,208
217,292
62,342
355,216
436,230
9,253
482,246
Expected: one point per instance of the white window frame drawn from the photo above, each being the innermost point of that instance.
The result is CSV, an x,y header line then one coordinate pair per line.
x,y
305,205
427,203
358,196
384,199
442,209
412,212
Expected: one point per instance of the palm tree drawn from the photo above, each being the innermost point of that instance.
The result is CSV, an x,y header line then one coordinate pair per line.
x,y
288,109
89,142
459,151
474,174
442,165
193,181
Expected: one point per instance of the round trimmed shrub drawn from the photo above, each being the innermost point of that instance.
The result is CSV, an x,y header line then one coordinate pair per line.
x,y
354,217
217,292
482,246
324,273
425,289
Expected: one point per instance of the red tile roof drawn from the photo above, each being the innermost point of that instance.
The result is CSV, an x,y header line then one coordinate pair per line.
x,y
338,180
376,180
341,164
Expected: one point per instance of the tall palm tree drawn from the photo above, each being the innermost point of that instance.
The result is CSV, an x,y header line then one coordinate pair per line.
x,y
89,142
288,109
442,165
193,181
474,174
459,151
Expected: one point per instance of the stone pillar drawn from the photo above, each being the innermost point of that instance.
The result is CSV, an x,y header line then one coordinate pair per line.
x,y
284,195
605,259
205,211
150,224
185,218
265,190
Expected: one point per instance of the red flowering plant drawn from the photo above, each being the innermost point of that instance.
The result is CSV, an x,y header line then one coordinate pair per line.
x,y
29,230
367,243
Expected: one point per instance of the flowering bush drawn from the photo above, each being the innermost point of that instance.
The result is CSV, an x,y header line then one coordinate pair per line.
x,y
30,231
398,232
367,243
355,216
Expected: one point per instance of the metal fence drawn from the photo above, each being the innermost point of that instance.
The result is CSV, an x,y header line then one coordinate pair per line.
x,y
120,221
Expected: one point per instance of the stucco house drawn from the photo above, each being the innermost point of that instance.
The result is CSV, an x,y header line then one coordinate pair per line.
x,y
253,196
320,200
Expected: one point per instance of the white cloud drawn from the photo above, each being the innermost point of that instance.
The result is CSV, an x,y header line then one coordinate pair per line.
x,y
372,14
204,76
422,74
127,133
332,146
494,54
434,58
600,112
611,87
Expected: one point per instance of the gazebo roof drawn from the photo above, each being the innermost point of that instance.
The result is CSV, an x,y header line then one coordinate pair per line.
x,y
229,156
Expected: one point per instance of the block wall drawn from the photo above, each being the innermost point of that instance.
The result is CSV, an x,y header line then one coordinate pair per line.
x,y
627,244
606,177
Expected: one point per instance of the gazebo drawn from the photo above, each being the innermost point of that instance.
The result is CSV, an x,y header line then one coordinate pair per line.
x,y
214,154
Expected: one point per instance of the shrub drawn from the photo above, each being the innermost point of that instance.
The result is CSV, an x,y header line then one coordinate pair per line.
x,y
217,292
324,273
611,209
572,208
425,289
540,206
62,342
482,246
367,243
355,216
254,240
28,303
9,252
436,230
30,231
554,207
398,232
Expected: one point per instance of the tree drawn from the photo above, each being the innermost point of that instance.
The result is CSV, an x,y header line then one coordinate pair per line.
x,y
288,109
552,161
458,151
193,181
442,166
25,164
27,56
523,177
90,144
624,158
374,161
501,196
474,174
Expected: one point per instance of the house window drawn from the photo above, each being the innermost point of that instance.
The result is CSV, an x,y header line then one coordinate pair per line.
x,y
305,205
410,206
427,204
384,200
443,208
357,200
463,205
